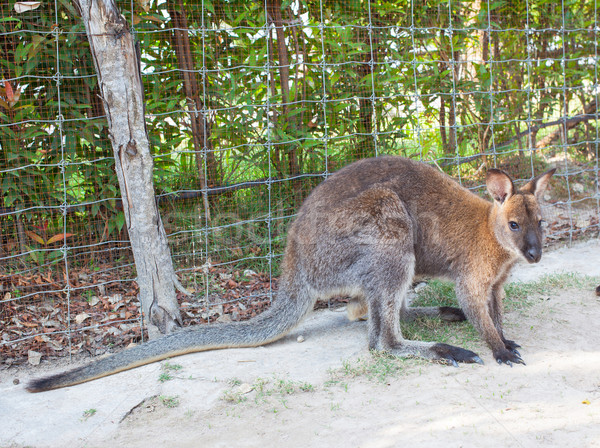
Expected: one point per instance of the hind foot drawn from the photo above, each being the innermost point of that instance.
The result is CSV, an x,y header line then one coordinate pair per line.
x,y
452,314
357,309
452,355
447,354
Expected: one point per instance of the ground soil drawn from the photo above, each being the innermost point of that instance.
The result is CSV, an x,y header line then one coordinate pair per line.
x,y
315,393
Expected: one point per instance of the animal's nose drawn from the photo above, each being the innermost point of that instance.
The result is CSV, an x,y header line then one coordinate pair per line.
x,y
533,254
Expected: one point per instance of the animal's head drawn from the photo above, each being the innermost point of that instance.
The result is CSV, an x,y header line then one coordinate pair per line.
x,y
518,218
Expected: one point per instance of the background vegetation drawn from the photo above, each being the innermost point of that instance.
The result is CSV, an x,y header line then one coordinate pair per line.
x,y
251,103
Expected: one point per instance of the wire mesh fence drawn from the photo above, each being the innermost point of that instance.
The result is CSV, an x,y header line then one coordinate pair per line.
x,y
249,105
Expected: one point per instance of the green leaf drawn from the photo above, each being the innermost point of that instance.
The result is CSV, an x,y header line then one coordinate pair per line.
x,y
120,220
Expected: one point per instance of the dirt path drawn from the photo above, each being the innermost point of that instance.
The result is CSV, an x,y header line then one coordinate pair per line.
x,y
553,401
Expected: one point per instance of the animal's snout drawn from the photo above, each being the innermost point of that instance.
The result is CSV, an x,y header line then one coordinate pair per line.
x,y
533,254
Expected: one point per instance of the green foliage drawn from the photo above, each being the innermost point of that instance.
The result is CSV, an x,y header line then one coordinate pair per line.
x,y
518,293
167,371
380,367
169,401
264,389
348,90
88,413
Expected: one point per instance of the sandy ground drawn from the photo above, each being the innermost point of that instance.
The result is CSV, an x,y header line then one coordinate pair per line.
x,y
553,401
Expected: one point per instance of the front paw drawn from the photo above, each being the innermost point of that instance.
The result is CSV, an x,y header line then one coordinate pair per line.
x,y
512,346
508,357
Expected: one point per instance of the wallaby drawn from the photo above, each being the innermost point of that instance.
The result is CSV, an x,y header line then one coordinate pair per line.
x,y
367,232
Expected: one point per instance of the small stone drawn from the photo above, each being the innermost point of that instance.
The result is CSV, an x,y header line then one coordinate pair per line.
x,y
115,298
420,287
205,268
81,317
225,318
34,357
16,381
245,388
578,188
300,338
249,273
581,222
224,276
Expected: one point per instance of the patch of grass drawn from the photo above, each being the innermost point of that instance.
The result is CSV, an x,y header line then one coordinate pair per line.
x,y
442,293
306,387
167,370
171,367
87,414
234,396
518,293
265,389
379,367
436,293
164,377
169,402
439,293
280,387
234,382
462,334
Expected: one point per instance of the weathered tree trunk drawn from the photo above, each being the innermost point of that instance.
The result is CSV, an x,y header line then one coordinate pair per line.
x,y
117,63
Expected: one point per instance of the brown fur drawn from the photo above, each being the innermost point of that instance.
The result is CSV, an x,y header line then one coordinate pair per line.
x,y
378,223
367,232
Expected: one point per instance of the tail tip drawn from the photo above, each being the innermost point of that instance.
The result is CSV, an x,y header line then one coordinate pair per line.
x,y
37,385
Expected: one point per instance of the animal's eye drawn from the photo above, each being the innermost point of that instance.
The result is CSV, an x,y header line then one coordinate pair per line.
x,y
513,225
541,222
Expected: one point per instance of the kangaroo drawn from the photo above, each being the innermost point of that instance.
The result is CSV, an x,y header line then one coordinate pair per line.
x,y
367,232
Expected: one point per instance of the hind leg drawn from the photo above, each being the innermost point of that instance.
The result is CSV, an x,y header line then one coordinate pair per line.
x,y
385,302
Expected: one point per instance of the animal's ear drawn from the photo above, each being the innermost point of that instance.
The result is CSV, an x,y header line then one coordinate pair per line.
x,y
499,185
538,184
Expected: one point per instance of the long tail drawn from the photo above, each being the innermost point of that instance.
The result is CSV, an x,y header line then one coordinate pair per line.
x,y
284,314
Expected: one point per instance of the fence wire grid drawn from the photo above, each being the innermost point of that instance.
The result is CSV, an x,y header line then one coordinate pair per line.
x,y
249,106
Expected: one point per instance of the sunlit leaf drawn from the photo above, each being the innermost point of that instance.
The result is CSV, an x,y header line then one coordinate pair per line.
x,y
59,237
21,7
34,236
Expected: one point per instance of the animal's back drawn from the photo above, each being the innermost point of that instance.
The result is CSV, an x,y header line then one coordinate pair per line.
x,y
361,175
416,184
436,204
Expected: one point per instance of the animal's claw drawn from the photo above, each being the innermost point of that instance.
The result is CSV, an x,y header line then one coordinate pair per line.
x,y
509,357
